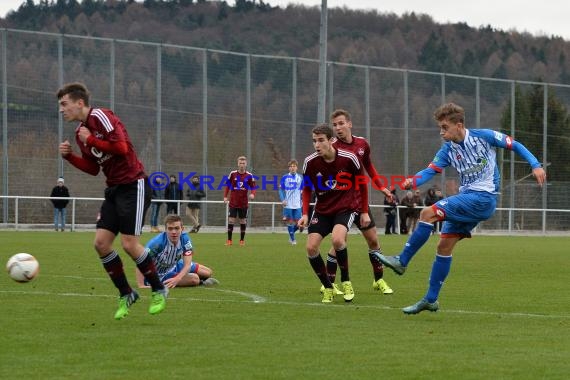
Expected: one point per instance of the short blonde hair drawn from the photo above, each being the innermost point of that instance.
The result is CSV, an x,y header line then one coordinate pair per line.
x,y
173,218
451,112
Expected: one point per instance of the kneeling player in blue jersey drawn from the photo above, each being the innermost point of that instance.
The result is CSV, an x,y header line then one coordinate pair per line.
x,y
172,252
472,153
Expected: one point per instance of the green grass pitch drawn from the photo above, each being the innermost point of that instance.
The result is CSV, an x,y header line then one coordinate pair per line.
x,y
505,314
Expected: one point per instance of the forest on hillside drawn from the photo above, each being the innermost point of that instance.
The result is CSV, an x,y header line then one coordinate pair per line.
x,y
413,41
162,99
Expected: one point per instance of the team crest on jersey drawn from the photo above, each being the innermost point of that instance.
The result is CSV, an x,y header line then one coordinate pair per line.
x,y
361,151
330,184
98,135
458,156
96,152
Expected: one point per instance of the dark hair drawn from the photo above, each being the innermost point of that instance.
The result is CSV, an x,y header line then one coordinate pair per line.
x,y
75,91
323,129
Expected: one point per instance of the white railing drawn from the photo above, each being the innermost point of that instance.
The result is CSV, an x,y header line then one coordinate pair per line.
x,y
267,215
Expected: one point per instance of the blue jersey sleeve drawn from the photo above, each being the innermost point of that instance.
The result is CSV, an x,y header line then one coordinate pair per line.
x,y
501,140
424,176
522,151
186,242
439,162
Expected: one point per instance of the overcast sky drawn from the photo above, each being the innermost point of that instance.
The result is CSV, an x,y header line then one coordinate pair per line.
x,y
530,16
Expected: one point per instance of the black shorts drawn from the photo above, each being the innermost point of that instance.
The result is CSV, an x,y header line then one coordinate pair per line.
x,y
371,225
239,212
324,224
124,207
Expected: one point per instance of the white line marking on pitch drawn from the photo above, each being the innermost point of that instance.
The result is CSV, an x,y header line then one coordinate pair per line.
x,y
256,299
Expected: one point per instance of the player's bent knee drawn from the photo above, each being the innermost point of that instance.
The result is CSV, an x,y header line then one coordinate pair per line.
x,y
338,244
428,215
102,247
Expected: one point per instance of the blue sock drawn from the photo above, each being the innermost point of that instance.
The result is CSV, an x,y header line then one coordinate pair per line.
x,y
439,272
291,229
415,242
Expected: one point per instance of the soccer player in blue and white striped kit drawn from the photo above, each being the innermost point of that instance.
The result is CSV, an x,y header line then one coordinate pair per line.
x,y
290,189
472,154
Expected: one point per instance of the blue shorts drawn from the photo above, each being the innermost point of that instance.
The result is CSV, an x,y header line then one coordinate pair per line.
x,y
462,212
179,265
292,213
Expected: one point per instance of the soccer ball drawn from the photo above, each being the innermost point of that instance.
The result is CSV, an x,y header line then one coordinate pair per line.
x,y
22,267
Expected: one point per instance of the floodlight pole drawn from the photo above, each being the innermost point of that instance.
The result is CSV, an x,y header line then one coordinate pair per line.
x,y
322,64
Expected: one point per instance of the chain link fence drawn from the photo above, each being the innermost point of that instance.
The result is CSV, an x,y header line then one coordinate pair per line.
x,y
196,110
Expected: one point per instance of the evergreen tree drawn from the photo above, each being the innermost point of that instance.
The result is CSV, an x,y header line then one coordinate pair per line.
x,y
529,111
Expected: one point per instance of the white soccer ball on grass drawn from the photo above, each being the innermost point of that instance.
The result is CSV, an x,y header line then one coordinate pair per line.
x,y
23,267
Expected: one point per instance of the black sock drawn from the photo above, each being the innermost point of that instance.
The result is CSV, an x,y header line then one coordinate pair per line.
x,y
146,266
342,259
242,231
320,270
114,267
377,266
331,267
230,231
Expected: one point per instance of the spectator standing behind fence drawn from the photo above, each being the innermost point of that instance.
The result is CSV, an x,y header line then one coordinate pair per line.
x,y
431,199
195,193
105,145
415,212
390,211
408,203
439,223
173,195
157,193
59,205
240,184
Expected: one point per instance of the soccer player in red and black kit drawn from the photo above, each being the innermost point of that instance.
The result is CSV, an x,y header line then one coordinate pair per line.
x,y
333,175
240,183
342,126
105,144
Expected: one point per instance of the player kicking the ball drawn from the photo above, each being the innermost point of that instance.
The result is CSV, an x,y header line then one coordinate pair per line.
x,y
472,154
105,144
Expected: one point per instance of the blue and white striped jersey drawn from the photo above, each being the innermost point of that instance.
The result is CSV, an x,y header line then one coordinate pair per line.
x,y
290,189
166,254
475,160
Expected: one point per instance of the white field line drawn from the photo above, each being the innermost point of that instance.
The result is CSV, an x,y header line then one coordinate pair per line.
x,y
256,299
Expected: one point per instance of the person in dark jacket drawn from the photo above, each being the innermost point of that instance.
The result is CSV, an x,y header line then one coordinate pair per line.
x,y
173,195
59,205
390,212
157,193
195,193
